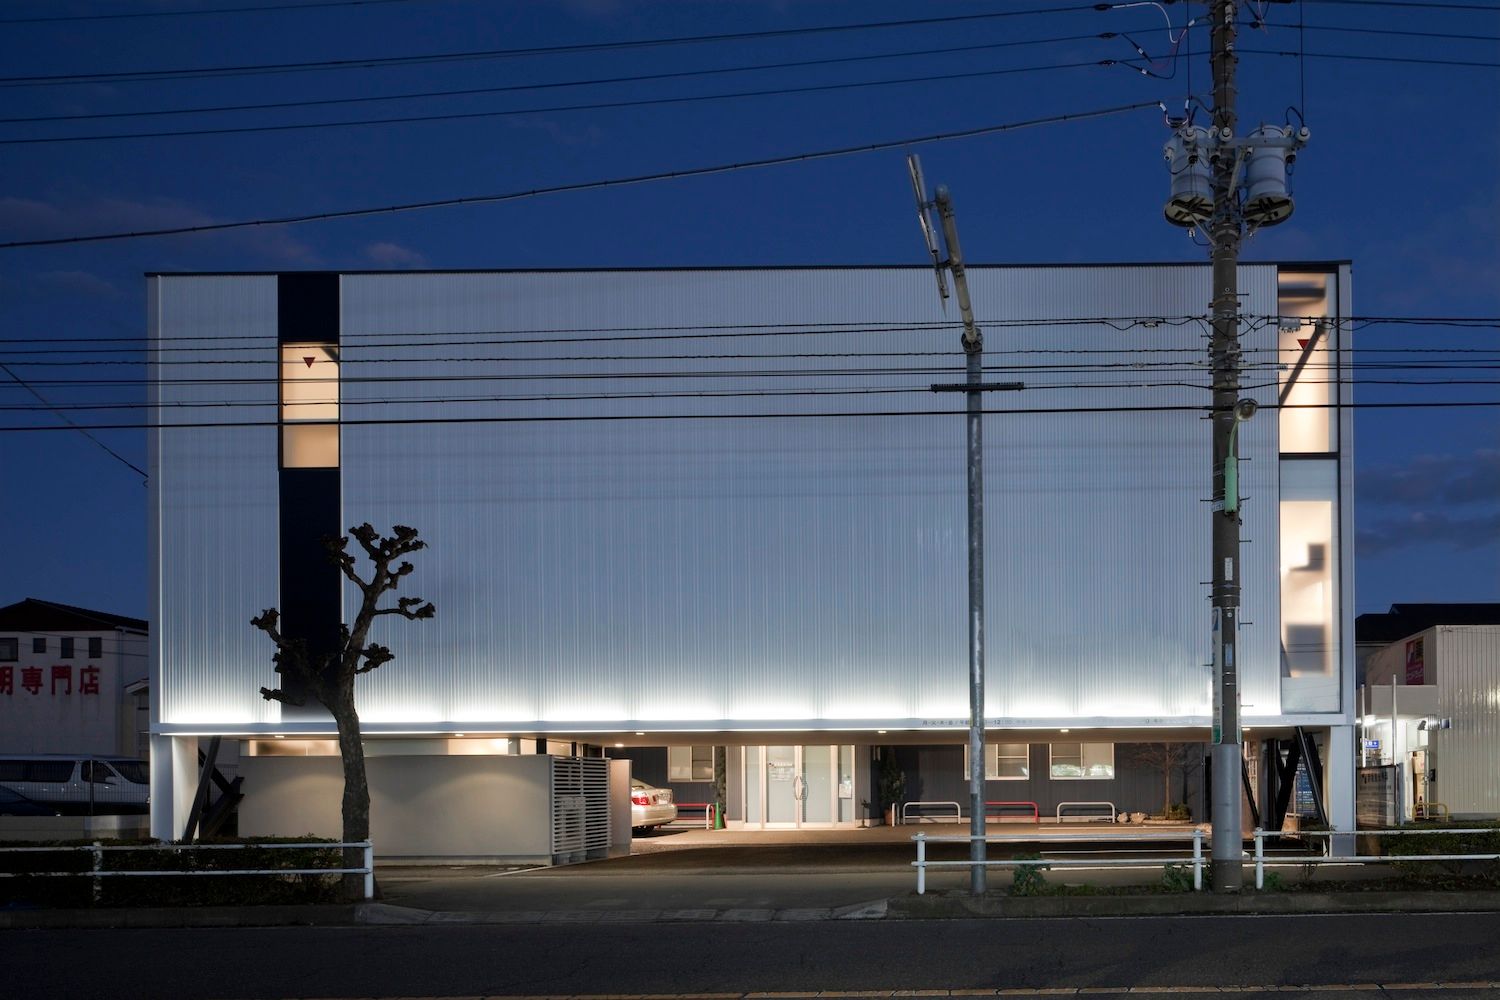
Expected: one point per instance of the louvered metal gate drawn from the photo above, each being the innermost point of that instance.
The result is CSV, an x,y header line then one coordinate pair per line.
x,y
580,808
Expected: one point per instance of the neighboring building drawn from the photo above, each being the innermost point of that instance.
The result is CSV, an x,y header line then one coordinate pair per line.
x,y
1430,707
754,538
72,680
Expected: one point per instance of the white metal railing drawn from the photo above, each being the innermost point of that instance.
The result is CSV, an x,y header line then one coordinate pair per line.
x,y
922,864
98,871
1100,806
1328,858
905,815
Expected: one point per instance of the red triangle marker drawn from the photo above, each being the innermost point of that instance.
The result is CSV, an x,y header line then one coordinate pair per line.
x,y
1300,343
309,357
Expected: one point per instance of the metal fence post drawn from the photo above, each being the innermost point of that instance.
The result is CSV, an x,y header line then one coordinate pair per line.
x,y
369,870
98,867
921,840
1197,860
1260,859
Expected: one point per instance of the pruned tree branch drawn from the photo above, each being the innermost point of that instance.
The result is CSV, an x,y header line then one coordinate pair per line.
x,y
411,608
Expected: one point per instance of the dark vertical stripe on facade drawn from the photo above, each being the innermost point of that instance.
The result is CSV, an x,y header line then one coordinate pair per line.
x,y
307,308
307,311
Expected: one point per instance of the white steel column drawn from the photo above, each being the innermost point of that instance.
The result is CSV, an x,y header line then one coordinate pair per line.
x,y
1338,787
174,781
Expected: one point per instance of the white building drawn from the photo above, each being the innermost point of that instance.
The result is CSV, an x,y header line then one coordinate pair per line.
x,y
1431,707
720,508
72,681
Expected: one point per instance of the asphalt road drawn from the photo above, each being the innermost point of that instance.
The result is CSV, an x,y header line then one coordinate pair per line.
x,y
1350,956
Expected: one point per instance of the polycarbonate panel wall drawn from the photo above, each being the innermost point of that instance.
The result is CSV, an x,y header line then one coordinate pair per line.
x,y
213,496
703,559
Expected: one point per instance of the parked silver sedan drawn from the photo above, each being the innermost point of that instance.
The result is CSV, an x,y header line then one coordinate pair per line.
x,y
650,806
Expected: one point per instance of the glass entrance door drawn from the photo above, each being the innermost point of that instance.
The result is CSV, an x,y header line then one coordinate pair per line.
x,y
791,786
783,786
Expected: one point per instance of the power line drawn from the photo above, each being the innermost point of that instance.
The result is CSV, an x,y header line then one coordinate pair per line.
x,y
923,388
1412,4
597,81
204,72
580,185
136,15
695,331
593,106
668,332
813,414
67,420
1405,60
1344,29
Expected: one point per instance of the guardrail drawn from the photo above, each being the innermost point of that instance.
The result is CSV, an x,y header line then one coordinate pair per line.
x,y
905,815
98,871
1087,805
710,811
1326,858
1431,810
922,864
1036,815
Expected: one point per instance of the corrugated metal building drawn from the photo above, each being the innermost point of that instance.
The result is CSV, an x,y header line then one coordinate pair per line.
x,y
719,508
1432,707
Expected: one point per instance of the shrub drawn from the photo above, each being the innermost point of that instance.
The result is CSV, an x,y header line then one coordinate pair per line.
x,y
170,890
1480,839
1177,877
1029,880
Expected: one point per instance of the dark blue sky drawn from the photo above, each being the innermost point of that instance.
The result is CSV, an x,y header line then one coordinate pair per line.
x,y
1402,176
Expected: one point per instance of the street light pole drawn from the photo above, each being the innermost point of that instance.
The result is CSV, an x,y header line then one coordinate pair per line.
x,y
973,344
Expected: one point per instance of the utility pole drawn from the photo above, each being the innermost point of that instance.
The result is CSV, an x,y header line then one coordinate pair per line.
x,y
1226,227
1207,166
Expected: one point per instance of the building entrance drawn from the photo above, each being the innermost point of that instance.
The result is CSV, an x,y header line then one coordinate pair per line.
x,y
794,787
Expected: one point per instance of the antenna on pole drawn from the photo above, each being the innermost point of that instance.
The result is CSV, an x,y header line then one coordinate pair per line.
x,y
925,205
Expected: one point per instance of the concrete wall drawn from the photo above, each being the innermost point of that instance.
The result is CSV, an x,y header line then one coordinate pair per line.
x,y
471,807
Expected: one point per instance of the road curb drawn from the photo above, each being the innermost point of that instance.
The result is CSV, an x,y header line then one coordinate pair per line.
x,y
961,906
325,915
955,905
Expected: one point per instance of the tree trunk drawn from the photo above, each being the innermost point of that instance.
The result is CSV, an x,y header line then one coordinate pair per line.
x,y
356,804
1166,792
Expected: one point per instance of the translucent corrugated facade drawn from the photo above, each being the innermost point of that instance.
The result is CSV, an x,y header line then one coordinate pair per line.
x,y
213,497
717,558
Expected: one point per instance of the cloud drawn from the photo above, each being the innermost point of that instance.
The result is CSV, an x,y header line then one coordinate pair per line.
x,y
31,218
1433,480
1428,528
393,255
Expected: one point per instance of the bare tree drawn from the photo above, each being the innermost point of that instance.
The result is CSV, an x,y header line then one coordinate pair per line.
x,y
328,676
1168,758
